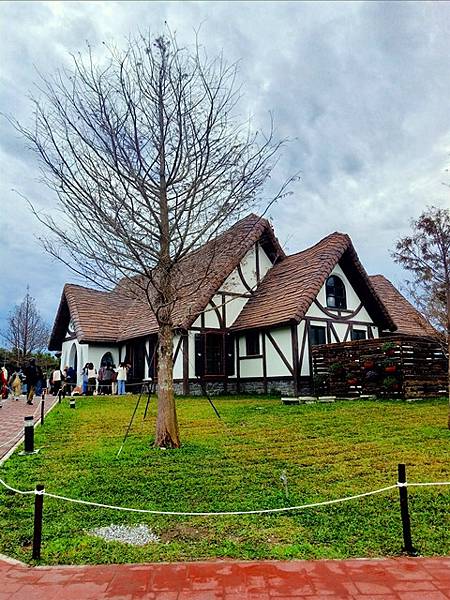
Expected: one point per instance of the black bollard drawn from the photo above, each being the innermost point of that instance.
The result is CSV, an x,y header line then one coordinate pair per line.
x,y
29,435
72,402
406,523
59,396
42,411
37,530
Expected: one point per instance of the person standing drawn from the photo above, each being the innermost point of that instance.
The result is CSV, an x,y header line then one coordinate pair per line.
x,y
92,378
85,379
40,383
15,382
3,383
32,375
121,378
56,380
114,381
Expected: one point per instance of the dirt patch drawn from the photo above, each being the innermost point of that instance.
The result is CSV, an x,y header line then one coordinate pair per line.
x,y
185,532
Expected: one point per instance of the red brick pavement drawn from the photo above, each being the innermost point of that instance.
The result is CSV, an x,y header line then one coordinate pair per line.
x,y
380,579
12,414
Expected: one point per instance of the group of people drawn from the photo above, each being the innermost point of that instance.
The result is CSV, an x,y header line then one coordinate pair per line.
x,y
28,379
109,379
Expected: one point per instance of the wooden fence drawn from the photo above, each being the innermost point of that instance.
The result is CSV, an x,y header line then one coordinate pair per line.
x,y
394,366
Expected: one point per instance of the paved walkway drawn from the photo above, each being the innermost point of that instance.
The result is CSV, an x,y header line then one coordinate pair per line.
x,y
12,414
382,579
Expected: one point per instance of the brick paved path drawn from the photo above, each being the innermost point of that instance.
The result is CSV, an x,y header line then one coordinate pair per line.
x,y
382,579
12,414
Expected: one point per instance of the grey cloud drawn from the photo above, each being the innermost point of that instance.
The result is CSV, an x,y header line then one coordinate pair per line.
x,y
360,88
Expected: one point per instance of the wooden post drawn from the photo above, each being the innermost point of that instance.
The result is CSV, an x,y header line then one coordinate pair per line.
x,y
406,524
37,530
42,411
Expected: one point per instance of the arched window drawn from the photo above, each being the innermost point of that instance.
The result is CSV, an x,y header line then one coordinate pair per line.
x,y
107,359
73,358
335,290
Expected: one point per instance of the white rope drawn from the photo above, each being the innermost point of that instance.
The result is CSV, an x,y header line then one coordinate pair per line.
x,y
219,513
427,484
16,491
200,514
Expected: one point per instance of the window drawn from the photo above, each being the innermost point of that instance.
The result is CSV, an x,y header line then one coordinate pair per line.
x,y
252,343
214,354
358,334
317,335
335,290
107,359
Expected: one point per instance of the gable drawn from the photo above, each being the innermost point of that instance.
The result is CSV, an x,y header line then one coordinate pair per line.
x,y
290,287
354,303
225,306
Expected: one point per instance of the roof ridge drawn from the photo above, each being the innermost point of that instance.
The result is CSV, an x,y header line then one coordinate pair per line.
x,y
330,235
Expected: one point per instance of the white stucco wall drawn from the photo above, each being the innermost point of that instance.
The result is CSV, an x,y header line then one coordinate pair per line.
x,y
86,353
353,300
233,284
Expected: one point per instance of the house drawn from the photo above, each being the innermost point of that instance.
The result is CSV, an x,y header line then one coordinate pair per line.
x,y
246,316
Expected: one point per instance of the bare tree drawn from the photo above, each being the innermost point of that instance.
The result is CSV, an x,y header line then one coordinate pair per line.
x,y
26,331
149,159
426,254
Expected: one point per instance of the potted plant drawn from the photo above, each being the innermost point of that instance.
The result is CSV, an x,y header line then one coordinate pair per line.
x,y
352,381
389,366
388,348
390,383
337,369
371,375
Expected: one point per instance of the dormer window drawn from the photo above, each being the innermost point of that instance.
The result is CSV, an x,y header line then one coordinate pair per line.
x,y
335,290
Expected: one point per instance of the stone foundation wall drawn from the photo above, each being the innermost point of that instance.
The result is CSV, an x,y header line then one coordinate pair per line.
x,y
281,387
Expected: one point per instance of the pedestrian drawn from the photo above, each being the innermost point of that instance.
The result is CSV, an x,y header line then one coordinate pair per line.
x,y
121,378
15,382
32,375
56,381
40,384
85,379
114,380
106,373
92,379
3,384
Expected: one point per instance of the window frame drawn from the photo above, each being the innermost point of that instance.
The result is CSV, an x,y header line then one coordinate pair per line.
x,y
357,330
252,338
340,299
317,328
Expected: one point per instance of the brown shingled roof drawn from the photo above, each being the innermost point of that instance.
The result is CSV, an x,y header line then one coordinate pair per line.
x,y
289,288
115,316
202,272
408,319
95,314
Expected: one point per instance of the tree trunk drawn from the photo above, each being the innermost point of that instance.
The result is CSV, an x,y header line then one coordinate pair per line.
x,y
166,423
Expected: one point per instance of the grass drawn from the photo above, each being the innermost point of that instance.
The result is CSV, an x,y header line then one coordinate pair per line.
x,y
327,451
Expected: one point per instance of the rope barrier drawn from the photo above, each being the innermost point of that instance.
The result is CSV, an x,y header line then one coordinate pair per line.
x,y
222,513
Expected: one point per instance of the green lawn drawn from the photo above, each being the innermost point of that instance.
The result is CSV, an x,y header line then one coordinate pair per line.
x,y
327,451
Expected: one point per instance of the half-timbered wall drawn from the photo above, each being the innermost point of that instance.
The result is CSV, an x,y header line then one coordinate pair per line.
x,y
338,323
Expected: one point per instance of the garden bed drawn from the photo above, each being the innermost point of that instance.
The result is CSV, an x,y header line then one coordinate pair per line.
x,y
325,450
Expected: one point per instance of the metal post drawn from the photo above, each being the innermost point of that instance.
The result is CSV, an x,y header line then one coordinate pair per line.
x,y
29,435
72,402
37,531
42,411
406,523
59,395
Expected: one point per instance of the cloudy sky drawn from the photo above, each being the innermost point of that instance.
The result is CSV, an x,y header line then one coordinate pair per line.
x,y
363,89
